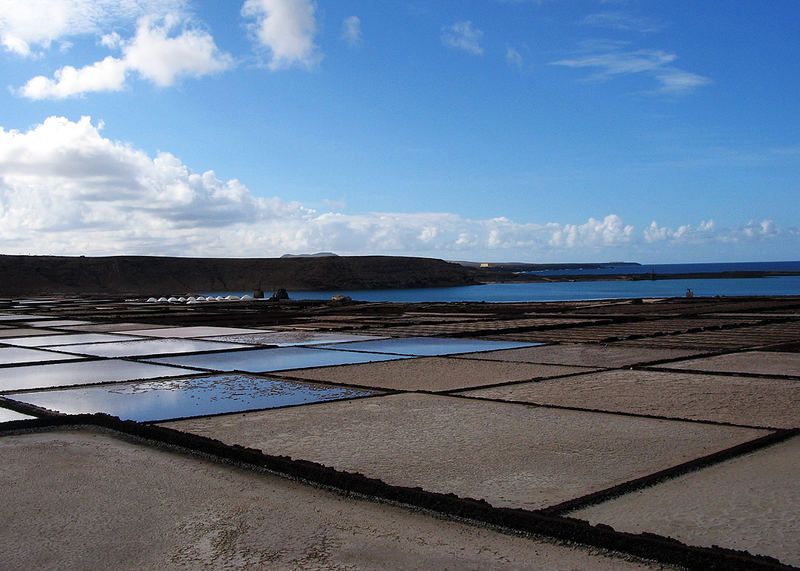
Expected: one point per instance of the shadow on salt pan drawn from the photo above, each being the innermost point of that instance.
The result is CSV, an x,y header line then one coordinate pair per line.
x,y
187,397
428,346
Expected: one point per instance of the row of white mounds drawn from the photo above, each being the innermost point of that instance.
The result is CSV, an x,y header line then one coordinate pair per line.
x,y
199,299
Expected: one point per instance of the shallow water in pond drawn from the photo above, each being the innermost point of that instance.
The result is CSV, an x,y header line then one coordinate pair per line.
x,y
187,397
266,360
9,415
291,338
428,346
147,347
28,377
19,355
67,339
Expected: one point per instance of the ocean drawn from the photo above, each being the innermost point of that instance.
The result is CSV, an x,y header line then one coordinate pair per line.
x,y
574,291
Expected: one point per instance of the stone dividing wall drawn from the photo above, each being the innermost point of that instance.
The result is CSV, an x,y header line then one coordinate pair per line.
x,y
143,275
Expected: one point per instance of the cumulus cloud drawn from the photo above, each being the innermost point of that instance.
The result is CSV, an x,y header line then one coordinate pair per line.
x,y
26,25
612,62
156,53
684,233
286,28
67,189
351,31
463,36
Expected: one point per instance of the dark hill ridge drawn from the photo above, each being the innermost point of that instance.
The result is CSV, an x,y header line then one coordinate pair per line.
x,y
144,275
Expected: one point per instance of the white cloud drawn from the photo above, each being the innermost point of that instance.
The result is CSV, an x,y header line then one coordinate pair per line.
x,y
66,189
29,24
623,21
513,57
106,75
351,31
153,53
607,232
684,233
617,62
676,81
612,61
161,58
463,36
286,28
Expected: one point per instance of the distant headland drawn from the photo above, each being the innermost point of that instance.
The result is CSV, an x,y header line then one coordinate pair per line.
x,y
154,275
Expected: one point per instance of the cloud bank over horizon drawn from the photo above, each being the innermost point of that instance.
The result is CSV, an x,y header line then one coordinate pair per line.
x,y
66,189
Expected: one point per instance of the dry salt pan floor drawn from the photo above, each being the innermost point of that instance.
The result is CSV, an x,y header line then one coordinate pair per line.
x,y
528,407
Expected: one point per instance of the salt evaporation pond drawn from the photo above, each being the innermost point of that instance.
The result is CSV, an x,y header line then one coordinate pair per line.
x,y
187,397
9,415
270,360
428,346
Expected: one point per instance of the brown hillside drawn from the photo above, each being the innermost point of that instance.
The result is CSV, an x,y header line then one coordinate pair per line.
x,y
141,275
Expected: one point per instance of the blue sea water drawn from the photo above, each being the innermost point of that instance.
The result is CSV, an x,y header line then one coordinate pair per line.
x,y
573,291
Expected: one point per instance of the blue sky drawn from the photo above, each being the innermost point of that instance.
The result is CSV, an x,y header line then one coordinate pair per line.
x,y
486,130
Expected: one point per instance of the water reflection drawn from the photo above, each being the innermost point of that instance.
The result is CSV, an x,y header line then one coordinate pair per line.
x,y
147,347
27,377
186,397
291,338
66,339
268,360
18,355
9,415
429,346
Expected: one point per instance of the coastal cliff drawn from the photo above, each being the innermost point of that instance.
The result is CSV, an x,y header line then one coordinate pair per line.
x,y
144,275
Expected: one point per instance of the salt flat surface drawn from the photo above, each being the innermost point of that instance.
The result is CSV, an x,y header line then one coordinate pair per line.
x,y
21,331
196,331
112,327
56,323
148,347
20,317
81,373
738,400
185,397
290,338
266,360
757,362
747,503
66,339
81,499
428,346
19,355
587,355
7,415
510,455
432,373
